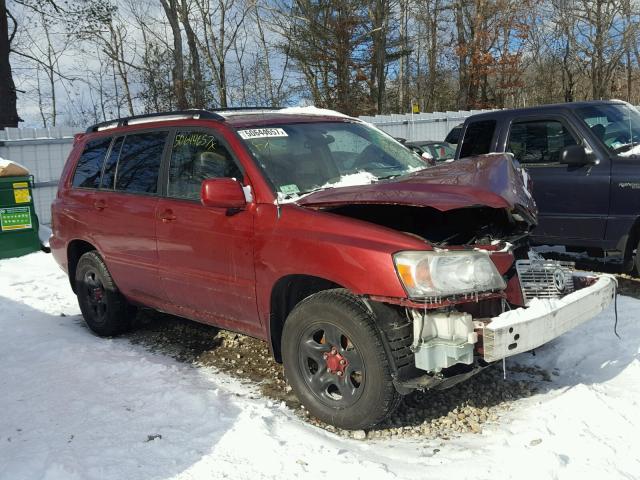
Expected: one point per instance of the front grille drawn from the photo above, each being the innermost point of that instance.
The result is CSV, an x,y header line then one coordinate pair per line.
x,y
545,278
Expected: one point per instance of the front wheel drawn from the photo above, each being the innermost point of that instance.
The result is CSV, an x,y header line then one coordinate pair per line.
x,y
335,361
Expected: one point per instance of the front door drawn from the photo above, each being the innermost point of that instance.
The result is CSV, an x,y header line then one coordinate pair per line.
x,y
206,254
573,201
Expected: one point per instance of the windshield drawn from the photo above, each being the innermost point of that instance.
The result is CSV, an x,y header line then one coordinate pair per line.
x,y
617,125
303,157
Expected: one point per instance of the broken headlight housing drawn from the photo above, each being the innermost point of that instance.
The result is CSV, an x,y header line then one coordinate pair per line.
x,y
442,274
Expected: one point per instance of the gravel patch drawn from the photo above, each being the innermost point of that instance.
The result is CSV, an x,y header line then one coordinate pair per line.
x,y
465,408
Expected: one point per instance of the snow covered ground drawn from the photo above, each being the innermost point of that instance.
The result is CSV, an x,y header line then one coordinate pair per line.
x,y
74,406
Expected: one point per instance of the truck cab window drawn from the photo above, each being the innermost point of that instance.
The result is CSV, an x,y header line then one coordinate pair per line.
x,y
540,141
477,138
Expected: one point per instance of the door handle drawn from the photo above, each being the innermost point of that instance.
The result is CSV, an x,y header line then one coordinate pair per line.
x,y
167,216
99,205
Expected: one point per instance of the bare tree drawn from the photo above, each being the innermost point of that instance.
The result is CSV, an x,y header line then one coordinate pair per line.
x,y
8,109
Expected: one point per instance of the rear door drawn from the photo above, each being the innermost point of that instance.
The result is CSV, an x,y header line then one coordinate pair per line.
x,y
125,225
573,201
206,254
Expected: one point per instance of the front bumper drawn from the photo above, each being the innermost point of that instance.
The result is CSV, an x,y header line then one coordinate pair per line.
x,y
524,329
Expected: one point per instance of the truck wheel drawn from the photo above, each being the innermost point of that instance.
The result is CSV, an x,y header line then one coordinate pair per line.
x,y
636,259
103,307
335,361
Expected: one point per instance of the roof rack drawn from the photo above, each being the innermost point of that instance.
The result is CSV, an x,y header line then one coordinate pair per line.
x,y
244,109
155,117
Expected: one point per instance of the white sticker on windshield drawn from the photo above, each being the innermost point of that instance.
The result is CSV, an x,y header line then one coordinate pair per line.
x,y
262,133
289,189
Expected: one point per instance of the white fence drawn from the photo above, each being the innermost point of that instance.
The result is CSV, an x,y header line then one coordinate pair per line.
x,y
421,126
43,151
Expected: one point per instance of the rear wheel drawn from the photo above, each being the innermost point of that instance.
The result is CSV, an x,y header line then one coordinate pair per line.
x,y
103,307
335,361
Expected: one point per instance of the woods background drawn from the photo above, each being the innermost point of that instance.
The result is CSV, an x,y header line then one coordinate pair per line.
x,y
79,62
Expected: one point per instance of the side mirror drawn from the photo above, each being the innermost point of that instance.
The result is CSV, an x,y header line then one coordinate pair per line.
x,y
574,155
222,193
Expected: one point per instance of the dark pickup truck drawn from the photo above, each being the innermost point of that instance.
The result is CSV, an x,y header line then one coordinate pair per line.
x,y
584,163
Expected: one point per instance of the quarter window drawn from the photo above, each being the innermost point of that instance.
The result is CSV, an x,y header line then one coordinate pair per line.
x,y
87,174
539,141
196,156
139,162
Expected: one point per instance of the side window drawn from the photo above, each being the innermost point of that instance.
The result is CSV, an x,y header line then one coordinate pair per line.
x,y
139,163
539,141
110,164
477,138
196,156
89,168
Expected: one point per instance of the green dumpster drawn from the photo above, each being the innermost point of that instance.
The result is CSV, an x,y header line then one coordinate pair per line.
x,y
18,220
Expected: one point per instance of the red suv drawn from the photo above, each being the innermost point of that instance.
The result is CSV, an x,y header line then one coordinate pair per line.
x,y
368,274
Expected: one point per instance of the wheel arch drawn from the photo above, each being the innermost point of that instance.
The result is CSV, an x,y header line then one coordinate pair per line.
x,y
286,293
75,250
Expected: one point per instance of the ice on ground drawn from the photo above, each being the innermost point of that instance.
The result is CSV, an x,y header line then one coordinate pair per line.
x,y
75,406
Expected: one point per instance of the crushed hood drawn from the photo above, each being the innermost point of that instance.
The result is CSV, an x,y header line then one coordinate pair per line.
x,y
486,180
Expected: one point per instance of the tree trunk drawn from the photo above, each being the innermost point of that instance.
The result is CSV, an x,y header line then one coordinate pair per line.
x,y
171,10
197,85
8,110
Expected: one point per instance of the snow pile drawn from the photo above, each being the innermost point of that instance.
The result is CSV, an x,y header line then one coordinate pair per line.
x,y
75,406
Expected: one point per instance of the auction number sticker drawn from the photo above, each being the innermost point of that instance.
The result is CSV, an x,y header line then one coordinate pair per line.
x,y
15,218
21,192
262,133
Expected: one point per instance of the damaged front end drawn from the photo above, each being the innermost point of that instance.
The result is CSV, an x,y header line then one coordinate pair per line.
x,y
450,344
472,202
469,300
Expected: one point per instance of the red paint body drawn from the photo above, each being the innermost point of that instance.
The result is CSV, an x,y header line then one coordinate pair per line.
x,y
220,266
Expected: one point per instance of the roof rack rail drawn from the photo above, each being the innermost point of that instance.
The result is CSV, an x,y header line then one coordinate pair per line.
x,y
242,109
155,117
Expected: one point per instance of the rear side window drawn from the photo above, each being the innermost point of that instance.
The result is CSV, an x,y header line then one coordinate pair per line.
x,y
477,138
139,163
89,168
110,164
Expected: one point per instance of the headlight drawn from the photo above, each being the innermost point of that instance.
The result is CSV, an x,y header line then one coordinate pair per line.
x,y
440,274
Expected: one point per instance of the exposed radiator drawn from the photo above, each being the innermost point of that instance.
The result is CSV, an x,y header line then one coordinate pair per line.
x,y
545,278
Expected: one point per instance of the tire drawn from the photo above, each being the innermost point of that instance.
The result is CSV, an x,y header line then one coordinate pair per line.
x,y
636,261
103,307
335,361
